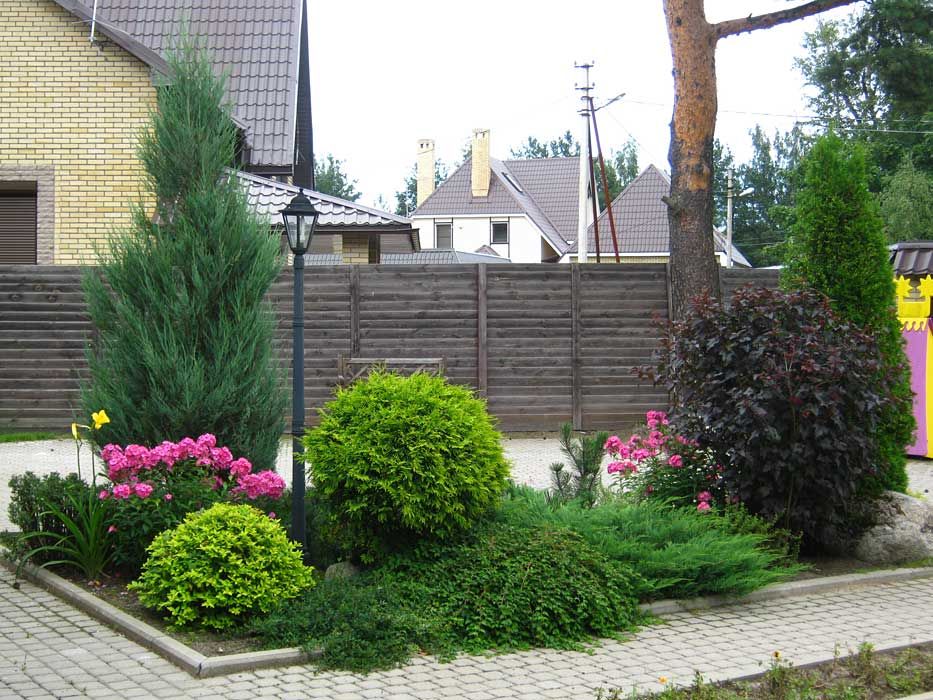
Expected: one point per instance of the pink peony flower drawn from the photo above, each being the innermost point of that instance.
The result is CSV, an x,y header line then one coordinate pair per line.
x,y
676,461
266,483
240,467
110,451
185,449
122,491
136,456
613,444
704,496
164,453
103,495
703,506
143,490
221,457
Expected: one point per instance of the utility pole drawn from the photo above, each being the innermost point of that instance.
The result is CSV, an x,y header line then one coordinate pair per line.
x,y
585,160
729,195
602,168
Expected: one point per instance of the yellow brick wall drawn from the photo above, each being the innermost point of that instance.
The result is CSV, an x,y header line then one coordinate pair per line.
x,y
355,248
76,109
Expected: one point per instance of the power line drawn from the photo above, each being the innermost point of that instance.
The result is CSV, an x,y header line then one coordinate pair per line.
x,y
802,117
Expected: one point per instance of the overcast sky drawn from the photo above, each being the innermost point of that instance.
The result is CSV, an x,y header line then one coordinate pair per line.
x,y
385,74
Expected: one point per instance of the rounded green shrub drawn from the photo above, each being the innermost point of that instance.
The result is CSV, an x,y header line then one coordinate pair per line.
x,y
508,587
403,458
219,566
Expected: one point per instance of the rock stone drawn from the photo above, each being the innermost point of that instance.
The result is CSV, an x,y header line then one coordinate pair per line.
x,y
342,569
903,531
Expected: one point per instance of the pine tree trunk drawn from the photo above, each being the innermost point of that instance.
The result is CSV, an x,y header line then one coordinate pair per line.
x,y
694,268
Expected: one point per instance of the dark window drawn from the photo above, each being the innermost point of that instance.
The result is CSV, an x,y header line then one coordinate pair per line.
x,y
500,231
18,224
443,235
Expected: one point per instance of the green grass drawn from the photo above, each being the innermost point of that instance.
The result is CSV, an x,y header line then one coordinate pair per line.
x,y
864,675
12,435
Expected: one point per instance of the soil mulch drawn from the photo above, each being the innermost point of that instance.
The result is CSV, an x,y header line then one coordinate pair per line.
x,y
113,590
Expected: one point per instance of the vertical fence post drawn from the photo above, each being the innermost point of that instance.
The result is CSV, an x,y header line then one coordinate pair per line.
x,y
482,354
576,389
354,310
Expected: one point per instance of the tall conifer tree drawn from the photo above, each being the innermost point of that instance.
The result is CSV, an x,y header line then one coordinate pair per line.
x,y
838,247
184,342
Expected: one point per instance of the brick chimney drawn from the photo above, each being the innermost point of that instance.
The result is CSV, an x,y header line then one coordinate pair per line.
x,y
480,158
425,170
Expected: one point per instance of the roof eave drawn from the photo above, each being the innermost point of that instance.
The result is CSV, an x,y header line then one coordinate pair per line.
x,y
118,36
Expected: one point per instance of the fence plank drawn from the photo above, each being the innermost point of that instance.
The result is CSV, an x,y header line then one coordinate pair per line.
x,y
546,344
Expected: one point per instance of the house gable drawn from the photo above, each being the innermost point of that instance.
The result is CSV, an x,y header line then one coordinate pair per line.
x,y
70,117
256,44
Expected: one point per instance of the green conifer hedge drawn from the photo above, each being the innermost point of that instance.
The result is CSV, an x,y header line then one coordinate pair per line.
x,y
185,337
838,248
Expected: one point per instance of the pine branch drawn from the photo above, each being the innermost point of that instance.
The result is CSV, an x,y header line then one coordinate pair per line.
x,y
741,25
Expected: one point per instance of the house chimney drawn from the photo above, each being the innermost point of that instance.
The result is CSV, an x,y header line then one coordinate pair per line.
x,y
480,174
425,170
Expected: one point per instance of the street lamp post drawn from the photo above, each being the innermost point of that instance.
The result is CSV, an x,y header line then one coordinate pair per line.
x,y
300,218
730,195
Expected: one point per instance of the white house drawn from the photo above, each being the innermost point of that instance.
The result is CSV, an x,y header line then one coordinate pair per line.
x,y
524,210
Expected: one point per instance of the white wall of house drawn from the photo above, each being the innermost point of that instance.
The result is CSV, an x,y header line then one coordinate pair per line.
x,y
608,256
472,232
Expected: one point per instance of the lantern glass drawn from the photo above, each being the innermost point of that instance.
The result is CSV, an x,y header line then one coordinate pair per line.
x,y
300,218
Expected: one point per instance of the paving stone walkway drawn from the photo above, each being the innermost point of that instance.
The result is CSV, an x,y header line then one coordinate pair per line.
x,y
50,650
530,458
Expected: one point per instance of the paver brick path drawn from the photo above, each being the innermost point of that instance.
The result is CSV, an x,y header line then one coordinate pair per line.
x,y
50,650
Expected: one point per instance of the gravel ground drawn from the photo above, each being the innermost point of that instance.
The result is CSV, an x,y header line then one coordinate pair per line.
x,y
530,458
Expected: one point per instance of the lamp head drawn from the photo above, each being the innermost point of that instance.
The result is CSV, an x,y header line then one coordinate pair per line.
x,y
300,218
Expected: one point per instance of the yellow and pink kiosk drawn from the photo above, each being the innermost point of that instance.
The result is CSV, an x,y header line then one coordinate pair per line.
x,y
913,311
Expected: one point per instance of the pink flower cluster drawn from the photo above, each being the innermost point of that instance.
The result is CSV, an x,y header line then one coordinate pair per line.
x,y
627,455
261,484
703,500
135,468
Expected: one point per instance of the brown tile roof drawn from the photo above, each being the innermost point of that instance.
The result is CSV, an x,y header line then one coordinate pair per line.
x,y
256,42
544,189
269,197
554,185
640,216
912,258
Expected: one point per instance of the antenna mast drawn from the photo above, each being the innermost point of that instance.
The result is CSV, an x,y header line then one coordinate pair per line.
x,y
93,21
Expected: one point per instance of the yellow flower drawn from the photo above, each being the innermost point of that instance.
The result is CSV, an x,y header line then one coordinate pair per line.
x,y
662,680
74,430
100,418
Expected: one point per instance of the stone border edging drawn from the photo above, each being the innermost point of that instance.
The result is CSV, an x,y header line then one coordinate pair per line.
x,y
790,589
169,648
201,666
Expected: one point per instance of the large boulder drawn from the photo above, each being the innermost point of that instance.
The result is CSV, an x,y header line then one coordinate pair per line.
x,y
903,531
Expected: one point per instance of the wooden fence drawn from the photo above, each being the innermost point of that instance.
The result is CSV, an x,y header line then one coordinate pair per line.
x,y
544,344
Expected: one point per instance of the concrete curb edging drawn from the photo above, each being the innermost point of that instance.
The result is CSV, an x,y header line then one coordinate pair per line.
x,y
201,666
183,656
790,589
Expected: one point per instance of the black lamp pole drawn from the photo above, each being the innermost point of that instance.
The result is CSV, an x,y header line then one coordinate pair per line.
x,y
300,218
298,403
